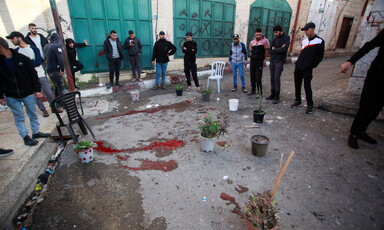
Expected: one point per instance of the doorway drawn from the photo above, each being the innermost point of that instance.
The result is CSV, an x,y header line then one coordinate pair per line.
x,y
346,26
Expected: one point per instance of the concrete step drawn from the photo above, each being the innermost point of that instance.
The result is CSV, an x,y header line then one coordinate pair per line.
x,y
104,77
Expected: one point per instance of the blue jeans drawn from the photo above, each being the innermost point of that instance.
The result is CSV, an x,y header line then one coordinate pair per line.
x,y
17,109
161,68
239,66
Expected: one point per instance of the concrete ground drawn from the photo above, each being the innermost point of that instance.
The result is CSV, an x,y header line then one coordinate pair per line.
x,y
137,183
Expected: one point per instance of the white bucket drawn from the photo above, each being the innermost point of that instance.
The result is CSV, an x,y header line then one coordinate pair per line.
x,y
135,95
85,156
233,104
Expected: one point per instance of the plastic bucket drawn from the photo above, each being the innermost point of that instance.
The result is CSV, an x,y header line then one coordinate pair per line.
x,y
135,96
85,156
233,104
259,145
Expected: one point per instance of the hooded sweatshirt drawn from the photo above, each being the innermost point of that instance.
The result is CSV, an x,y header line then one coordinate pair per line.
x,y
54,54
72,51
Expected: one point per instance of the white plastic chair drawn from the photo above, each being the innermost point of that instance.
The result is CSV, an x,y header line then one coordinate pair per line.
x,y
217,74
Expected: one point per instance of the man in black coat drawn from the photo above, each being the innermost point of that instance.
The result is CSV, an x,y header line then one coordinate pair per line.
x,y
160,56
135,48
19,85
71,46
372,96
35,39
113,51
190,50
278,53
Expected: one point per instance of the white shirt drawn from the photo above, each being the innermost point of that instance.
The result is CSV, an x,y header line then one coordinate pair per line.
x,y
37,42
28,51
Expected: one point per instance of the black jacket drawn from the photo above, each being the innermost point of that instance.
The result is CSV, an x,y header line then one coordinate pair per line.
x,y
378,41
72,51
137,47
279,53
107,47
21,81
161,50
29,41
312,53
190,52
54,55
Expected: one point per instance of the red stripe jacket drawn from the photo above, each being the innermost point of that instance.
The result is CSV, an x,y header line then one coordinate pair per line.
x,y
312,53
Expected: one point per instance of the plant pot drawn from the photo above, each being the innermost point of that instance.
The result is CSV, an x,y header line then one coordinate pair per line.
x,y
207,144
179,92
259,145
258,117
206,97
85,156
251,227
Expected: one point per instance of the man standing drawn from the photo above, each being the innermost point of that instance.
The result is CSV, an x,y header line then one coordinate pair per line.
x,y
161,52
70,46
190,50
312,53
372,96
135,48
238,56
33,53
20,85
114,53
35,39
55,63
278,54
259,52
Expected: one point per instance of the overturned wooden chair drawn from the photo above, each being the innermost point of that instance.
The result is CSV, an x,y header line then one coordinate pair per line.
x,y
68,102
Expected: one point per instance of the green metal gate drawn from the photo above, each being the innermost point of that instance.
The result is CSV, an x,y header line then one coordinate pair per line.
x,y
211,21
267,14
94,19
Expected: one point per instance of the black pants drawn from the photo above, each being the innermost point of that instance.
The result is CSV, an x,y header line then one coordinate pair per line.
x,y
114,67
305,75
188,68
256,70
75,67
275,69
371,100
135,61
58,82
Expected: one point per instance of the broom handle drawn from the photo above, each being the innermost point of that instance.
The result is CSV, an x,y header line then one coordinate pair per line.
x,y
282,174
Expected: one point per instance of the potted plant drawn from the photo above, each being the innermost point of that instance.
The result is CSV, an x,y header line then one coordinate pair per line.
x,y
212,129
179,90
261,211
206,93
258,115
259,145
84,149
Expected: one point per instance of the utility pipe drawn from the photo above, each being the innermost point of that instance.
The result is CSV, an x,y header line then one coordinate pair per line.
x,y
295,26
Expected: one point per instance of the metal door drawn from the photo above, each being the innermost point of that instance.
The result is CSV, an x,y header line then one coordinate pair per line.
x,y
94,19
267,14
210,21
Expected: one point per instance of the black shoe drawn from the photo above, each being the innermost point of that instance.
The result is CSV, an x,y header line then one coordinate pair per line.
x,y
110,85
244,90
156,87
5,152
77,87
40,135
276,101
162,86
251,93
270,97
352,142
296,104
364,136
234,88
309,110
118,84
29,141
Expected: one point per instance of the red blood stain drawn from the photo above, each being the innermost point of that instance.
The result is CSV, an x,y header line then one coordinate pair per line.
x,y
232,200
122,158
221,143
102,149
156,146
206,109
154,165
241,189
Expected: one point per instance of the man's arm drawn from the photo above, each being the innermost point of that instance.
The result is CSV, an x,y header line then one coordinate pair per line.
x,y
106,51
37,60
140,46
266,47
32,74
319,54
60,58
284,47
172,50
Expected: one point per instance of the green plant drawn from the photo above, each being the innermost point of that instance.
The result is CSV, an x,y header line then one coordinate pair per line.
x,y
83,145
211,128
178,87
94,80
261,210
207,91
260,100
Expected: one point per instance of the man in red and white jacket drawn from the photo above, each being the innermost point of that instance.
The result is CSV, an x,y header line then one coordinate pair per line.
x,y
312,53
